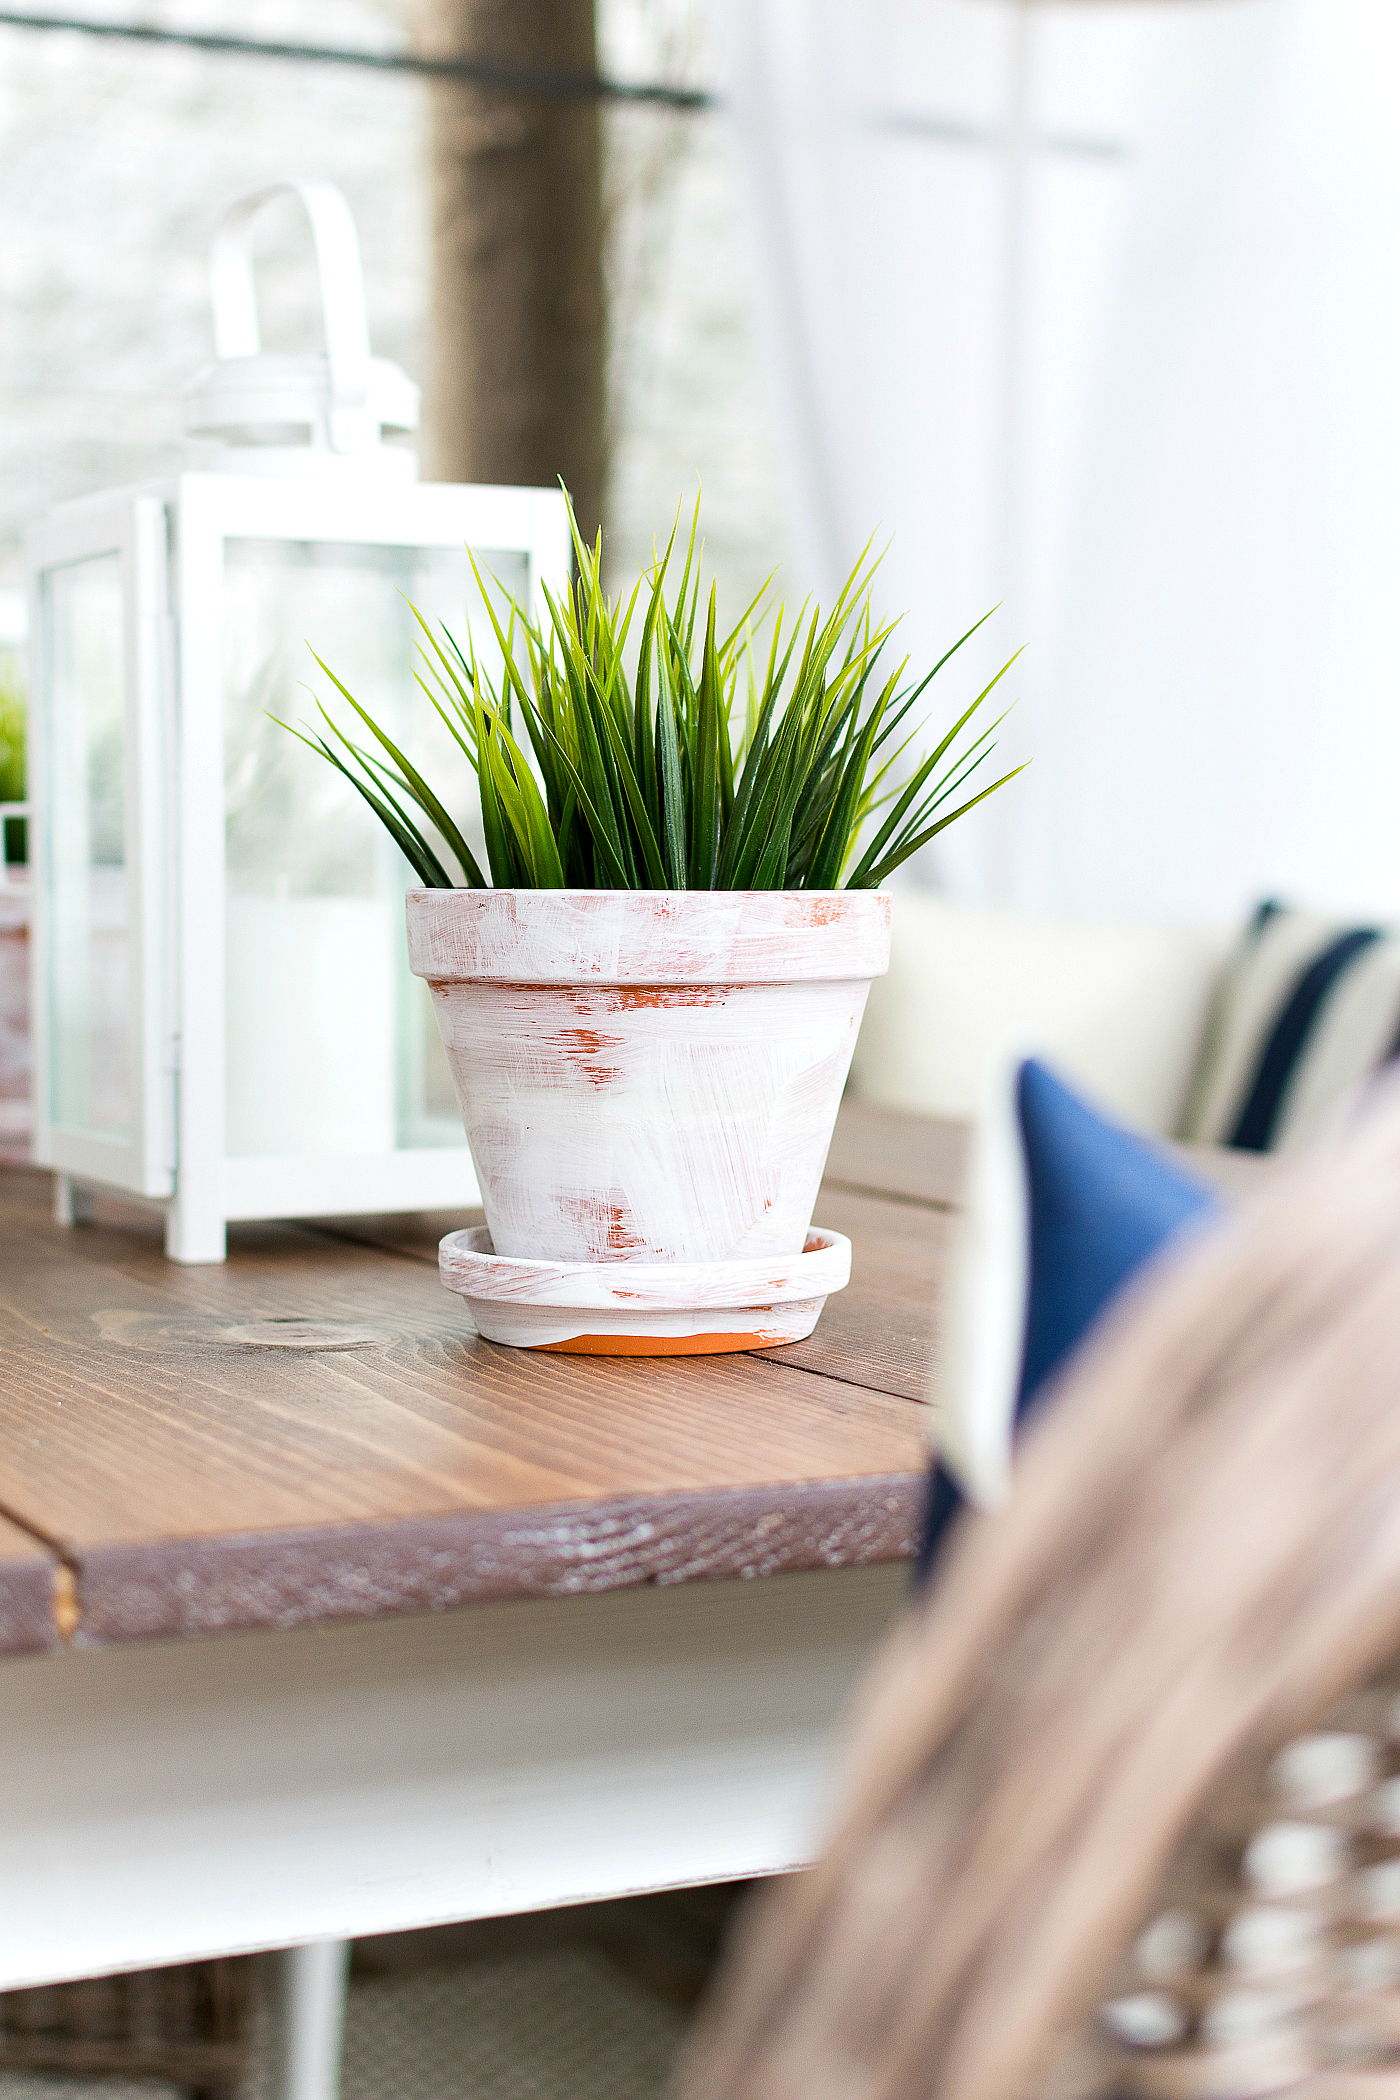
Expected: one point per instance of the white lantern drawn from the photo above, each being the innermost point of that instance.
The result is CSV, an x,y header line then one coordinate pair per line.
x,y
224,1019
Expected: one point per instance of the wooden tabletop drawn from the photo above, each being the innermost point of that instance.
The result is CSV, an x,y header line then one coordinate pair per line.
x,y
314,1431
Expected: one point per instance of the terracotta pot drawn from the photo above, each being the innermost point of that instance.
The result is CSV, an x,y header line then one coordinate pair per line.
x,y
648,1076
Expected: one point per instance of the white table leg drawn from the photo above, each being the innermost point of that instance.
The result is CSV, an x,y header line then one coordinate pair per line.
x,y
73,1202
310,2015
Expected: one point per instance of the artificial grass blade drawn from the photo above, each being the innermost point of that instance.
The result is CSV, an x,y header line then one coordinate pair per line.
x,y
688,771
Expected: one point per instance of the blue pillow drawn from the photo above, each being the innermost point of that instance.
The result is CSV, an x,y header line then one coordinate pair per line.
x,y
1092,1203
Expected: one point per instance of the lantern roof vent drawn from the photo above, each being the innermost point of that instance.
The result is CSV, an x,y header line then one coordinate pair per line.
x,y
257,411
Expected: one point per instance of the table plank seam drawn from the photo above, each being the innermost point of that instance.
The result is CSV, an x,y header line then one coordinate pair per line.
x,y
775,1362
42,1538
340,1237
946,1205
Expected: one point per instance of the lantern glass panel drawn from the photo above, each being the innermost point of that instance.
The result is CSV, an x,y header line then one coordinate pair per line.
x,y
91,1072
332,1046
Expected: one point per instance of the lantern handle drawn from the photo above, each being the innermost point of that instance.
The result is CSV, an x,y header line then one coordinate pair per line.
x,y
337,246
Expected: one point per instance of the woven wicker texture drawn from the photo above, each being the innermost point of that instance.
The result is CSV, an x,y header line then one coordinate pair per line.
x,y
1129,1711
1274,1963
187,2026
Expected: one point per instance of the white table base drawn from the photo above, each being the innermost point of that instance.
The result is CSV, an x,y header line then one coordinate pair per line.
x,y
172,1801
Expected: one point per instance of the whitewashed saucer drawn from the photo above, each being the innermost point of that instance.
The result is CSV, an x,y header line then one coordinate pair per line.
x,y
629,1308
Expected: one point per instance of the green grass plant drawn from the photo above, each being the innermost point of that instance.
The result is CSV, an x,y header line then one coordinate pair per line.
x,y
13,830
705,766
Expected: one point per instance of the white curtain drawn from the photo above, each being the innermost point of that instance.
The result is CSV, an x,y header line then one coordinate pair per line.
x,y
1093,307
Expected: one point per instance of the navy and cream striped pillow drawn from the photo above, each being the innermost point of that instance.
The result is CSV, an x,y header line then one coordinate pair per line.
x,y
1307,1009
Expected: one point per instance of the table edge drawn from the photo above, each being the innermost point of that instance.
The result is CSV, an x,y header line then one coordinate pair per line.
x,y
323,1574
28,1620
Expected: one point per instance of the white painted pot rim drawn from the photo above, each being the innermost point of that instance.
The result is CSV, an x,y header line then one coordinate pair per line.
x,y
651,937
467,1264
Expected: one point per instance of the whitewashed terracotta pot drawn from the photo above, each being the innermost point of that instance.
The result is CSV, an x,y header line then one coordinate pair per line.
x,y
648,1076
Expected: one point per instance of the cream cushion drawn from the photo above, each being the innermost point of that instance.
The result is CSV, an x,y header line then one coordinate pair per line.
x,y
1119,1009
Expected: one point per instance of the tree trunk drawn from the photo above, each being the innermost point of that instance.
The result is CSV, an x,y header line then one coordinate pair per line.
x,y
516,391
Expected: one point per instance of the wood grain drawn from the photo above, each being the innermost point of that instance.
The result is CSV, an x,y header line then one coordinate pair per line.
x,y
27,1624
891,1184
435,1563
918,1158
315,1431
878,1332
159,1413
881,1330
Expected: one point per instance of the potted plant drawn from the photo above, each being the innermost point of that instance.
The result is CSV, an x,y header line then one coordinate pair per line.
x,y
650,996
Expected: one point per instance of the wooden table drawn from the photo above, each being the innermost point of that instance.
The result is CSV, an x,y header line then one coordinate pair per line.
x,y
490,1637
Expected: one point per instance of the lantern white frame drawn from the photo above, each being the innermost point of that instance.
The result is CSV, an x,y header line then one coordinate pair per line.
x,y
135,532
171,539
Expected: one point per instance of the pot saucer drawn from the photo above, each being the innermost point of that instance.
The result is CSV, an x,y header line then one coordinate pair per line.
x,y
629,1308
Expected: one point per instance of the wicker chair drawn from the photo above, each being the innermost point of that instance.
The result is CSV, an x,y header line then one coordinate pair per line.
x,y
186,2027
1121,1813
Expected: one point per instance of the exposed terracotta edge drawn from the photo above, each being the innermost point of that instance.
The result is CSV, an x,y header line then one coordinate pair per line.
x,y
33,1618
321,1574
67,1603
